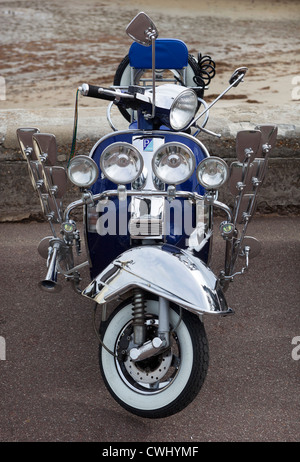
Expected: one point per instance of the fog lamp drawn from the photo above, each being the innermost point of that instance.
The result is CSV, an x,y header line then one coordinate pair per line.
x,y
212,172
83,171
173,163
121,163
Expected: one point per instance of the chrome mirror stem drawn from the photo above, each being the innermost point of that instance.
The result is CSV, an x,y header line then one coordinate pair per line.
x,y
234,84
153,37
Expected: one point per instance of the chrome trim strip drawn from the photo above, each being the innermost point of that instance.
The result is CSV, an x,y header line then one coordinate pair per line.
x,y
151,133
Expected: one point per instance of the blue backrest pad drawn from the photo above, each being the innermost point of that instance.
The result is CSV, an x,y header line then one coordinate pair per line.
x,y
169,54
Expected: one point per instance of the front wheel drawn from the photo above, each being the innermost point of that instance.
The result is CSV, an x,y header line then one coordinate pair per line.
x,y
161,385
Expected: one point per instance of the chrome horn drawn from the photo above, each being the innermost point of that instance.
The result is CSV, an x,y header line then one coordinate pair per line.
x,y
49,284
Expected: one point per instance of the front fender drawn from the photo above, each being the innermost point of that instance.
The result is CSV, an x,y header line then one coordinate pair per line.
x,y
165,271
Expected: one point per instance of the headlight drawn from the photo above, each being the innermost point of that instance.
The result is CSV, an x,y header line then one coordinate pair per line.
x,y
121,163
212,172
173,163
183,109
83,171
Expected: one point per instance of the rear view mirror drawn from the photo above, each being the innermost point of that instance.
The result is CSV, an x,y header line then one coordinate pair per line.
x,y
247,144
24,136
240,174
46,147
237,76
245,207
142,29
54,177
254,247
269,136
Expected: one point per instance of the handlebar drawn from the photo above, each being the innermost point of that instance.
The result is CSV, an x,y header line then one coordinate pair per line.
x,y
94,91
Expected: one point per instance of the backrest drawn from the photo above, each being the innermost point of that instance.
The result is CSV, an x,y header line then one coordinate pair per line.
x,y
169,54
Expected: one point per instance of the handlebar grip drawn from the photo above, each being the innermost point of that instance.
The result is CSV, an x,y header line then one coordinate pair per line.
x,y
93,92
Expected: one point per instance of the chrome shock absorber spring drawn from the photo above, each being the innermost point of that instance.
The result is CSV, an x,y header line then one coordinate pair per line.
x,y
138,312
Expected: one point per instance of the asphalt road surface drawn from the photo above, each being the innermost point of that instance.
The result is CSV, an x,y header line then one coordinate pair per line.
x,y
50,385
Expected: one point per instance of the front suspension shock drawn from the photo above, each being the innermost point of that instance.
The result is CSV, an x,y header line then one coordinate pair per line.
x,y
138,312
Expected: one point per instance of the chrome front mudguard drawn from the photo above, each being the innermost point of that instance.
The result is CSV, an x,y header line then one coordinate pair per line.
x,y
165,271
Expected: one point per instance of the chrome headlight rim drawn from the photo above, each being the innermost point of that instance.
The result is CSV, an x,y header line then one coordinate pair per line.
x,y
191,114
163,178
224,177
85,162
121,145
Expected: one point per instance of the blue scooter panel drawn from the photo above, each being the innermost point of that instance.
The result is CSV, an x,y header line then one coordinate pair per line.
x,y
104,248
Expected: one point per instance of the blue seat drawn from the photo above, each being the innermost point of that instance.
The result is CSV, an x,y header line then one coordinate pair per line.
x,y
169,54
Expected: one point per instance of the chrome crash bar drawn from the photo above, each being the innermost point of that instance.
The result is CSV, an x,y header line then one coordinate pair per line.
x,y
122,193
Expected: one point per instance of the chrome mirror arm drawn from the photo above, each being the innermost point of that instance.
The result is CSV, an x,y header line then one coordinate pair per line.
x,y
229,278
208,132
143,30
233,84
153,37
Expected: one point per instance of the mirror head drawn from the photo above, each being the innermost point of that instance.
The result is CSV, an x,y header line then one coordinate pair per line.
x,y
237,76
142,29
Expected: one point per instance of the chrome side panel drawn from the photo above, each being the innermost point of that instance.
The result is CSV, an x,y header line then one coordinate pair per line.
x,y
165,271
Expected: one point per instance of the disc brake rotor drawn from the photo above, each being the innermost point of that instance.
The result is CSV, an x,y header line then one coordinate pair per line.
x,y
145,371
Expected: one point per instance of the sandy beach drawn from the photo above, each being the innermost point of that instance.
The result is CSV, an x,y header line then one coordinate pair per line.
x,y
49,48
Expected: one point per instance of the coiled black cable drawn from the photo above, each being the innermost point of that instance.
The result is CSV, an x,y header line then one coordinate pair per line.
x,y
207,70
